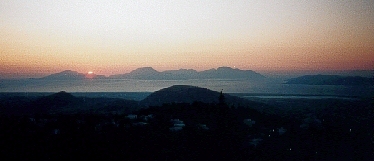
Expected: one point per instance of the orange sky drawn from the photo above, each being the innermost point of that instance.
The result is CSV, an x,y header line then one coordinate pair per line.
x,y
43,37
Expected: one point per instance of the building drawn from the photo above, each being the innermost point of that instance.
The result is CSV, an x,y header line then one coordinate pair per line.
x,y
249,122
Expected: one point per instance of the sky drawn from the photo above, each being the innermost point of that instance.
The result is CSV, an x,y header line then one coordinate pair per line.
x,y
40,37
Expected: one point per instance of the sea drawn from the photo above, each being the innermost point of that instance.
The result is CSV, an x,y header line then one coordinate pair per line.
x,y
245,88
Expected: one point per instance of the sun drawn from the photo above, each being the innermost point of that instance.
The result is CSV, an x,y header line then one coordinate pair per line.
x,y
90,75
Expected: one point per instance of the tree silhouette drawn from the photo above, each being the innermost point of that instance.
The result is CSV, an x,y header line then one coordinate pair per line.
x,y
221,98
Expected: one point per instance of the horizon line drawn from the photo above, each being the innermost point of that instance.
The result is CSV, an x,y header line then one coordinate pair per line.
x,y
274,72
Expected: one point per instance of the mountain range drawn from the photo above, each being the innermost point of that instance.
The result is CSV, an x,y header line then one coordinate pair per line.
x,y
148,73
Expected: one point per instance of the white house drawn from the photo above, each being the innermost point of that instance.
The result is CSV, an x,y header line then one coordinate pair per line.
x,y
98,127
176,121
32,119
132,116
249,122
140,124
203,126
56,131
281,131
255,141
148,117
174,128
177,125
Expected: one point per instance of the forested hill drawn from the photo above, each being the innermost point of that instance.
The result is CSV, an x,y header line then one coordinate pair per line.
x,y
181,94
64,103
189,94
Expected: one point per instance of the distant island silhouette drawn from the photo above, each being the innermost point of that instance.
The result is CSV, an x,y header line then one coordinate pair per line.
x,y
72,75
148,73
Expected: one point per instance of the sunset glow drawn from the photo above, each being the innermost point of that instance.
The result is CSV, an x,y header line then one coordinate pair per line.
x,y
113,37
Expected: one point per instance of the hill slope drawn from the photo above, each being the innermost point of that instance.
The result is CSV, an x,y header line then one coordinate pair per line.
x,y
190,94
65,103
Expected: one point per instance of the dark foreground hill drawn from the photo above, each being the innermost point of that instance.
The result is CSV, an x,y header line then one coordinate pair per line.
x,y
189,94
64,103
181,94
181,130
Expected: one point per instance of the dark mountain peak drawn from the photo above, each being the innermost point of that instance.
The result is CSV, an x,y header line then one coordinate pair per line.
x,y
186,69
220,73
210,70
66,74
181,94
187,94
142,73
229,70
61,96
144,70
190,91
190,94
226,68
139,73
56,100
180,71
180,88
230,73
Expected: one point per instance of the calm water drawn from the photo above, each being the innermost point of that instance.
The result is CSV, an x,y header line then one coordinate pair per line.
x,y
228,86
298,97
